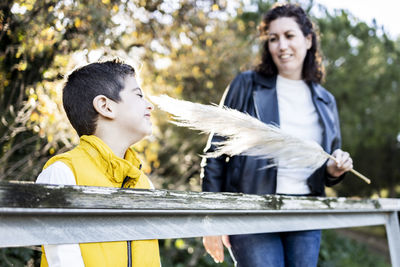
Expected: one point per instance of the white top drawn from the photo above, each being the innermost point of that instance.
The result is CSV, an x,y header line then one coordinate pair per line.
x,y
298,117
60,255
69,254
57,173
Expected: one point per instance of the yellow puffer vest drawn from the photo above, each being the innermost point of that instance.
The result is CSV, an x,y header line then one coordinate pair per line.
x,y
94,164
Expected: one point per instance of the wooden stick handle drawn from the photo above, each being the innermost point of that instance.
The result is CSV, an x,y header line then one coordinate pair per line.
x,y
359,175
368,181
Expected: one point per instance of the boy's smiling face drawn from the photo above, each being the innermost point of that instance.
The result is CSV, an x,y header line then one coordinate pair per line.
x,y
133,110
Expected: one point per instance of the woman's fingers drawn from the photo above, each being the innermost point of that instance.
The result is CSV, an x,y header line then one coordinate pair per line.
x,y
338,157
225,241
342,163
348,165
214,247
345,163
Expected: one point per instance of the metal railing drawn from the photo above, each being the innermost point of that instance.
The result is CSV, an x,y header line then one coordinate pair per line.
x,y
33,214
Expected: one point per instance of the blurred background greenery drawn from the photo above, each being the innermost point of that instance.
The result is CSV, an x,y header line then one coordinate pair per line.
x,y
191,50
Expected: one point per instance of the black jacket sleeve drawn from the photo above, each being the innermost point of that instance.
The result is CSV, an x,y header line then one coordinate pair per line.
x,y
214,170
337,143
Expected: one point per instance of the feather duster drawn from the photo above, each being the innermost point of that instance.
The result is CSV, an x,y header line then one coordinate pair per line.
x,y
245,135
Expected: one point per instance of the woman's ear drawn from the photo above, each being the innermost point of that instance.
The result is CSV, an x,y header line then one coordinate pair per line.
x,y
309,41
104,106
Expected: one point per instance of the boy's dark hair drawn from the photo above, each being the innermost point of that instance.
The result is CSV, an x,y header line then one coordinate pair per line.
x,y
85,83
312,66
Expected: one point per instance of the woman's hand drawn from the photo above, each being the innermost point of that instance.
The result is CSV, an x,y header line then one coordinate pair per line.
x,y
342,164
214,246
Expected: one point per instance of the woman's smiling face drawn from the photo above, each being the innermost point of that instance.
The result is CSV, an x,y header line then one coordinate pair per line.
x,y
288,47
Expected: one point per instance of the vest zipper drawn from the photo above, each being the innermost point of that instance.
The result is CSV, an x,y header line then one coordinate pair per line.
x,y
129,253
129,243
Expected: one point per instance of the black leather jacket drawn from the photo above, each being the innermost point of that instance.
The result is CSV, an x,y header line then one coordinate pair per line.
x,y
256,95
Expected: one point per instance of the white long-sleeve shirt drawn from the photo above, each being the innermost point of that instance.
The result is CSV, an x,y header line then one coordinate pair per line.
x,y
298,117
66,255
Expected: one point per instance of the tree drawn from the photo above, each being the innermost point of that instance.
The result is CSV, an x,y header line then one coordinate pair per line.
x,y
363,73
36,40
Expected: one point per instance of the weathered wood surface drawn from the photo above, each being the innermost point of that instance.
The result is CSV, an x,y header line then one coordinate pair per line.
x,y
30,196
33,214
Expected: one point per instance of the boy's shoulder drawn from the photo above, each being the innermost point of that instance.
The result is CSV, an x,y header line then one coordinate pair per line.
x,y
67,158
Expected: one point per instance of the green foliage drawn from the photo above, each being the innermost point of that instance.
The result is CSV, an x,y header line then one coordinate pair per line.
x,y
188,253
19,257
344,252
363,73
36,40
204,54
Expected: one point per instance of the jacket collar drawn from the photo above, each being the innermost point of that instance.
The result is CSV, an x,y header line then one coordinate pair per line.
x,y
269,82
266,101
115,168
319,93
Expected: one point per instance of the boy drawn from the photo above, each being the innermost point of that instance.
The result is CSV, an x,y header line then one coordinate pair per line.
x,y
108,110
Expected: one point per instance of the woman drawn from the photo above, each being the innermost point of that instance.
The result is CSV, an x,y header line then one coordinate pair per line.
x,y
284,90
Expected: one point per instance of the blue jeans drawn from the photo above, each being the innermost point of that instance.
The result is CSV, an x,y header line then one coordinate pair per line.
x,y
286,249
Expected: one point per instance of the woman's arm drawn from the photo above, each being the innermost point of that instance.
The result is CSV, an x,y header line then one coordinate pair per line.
x,y
213,171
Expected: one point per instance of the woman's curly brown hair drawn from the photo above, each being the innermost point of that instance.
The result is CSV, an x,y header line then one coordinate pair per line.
x,y
312,66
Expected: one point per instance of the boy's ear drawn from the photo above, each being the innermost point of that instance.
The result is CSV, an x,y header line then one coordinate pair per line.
x,y
104,106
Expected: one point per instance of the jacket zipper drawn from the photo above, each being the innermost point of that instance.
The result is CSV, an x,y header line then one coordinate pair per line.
x,y
129,243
